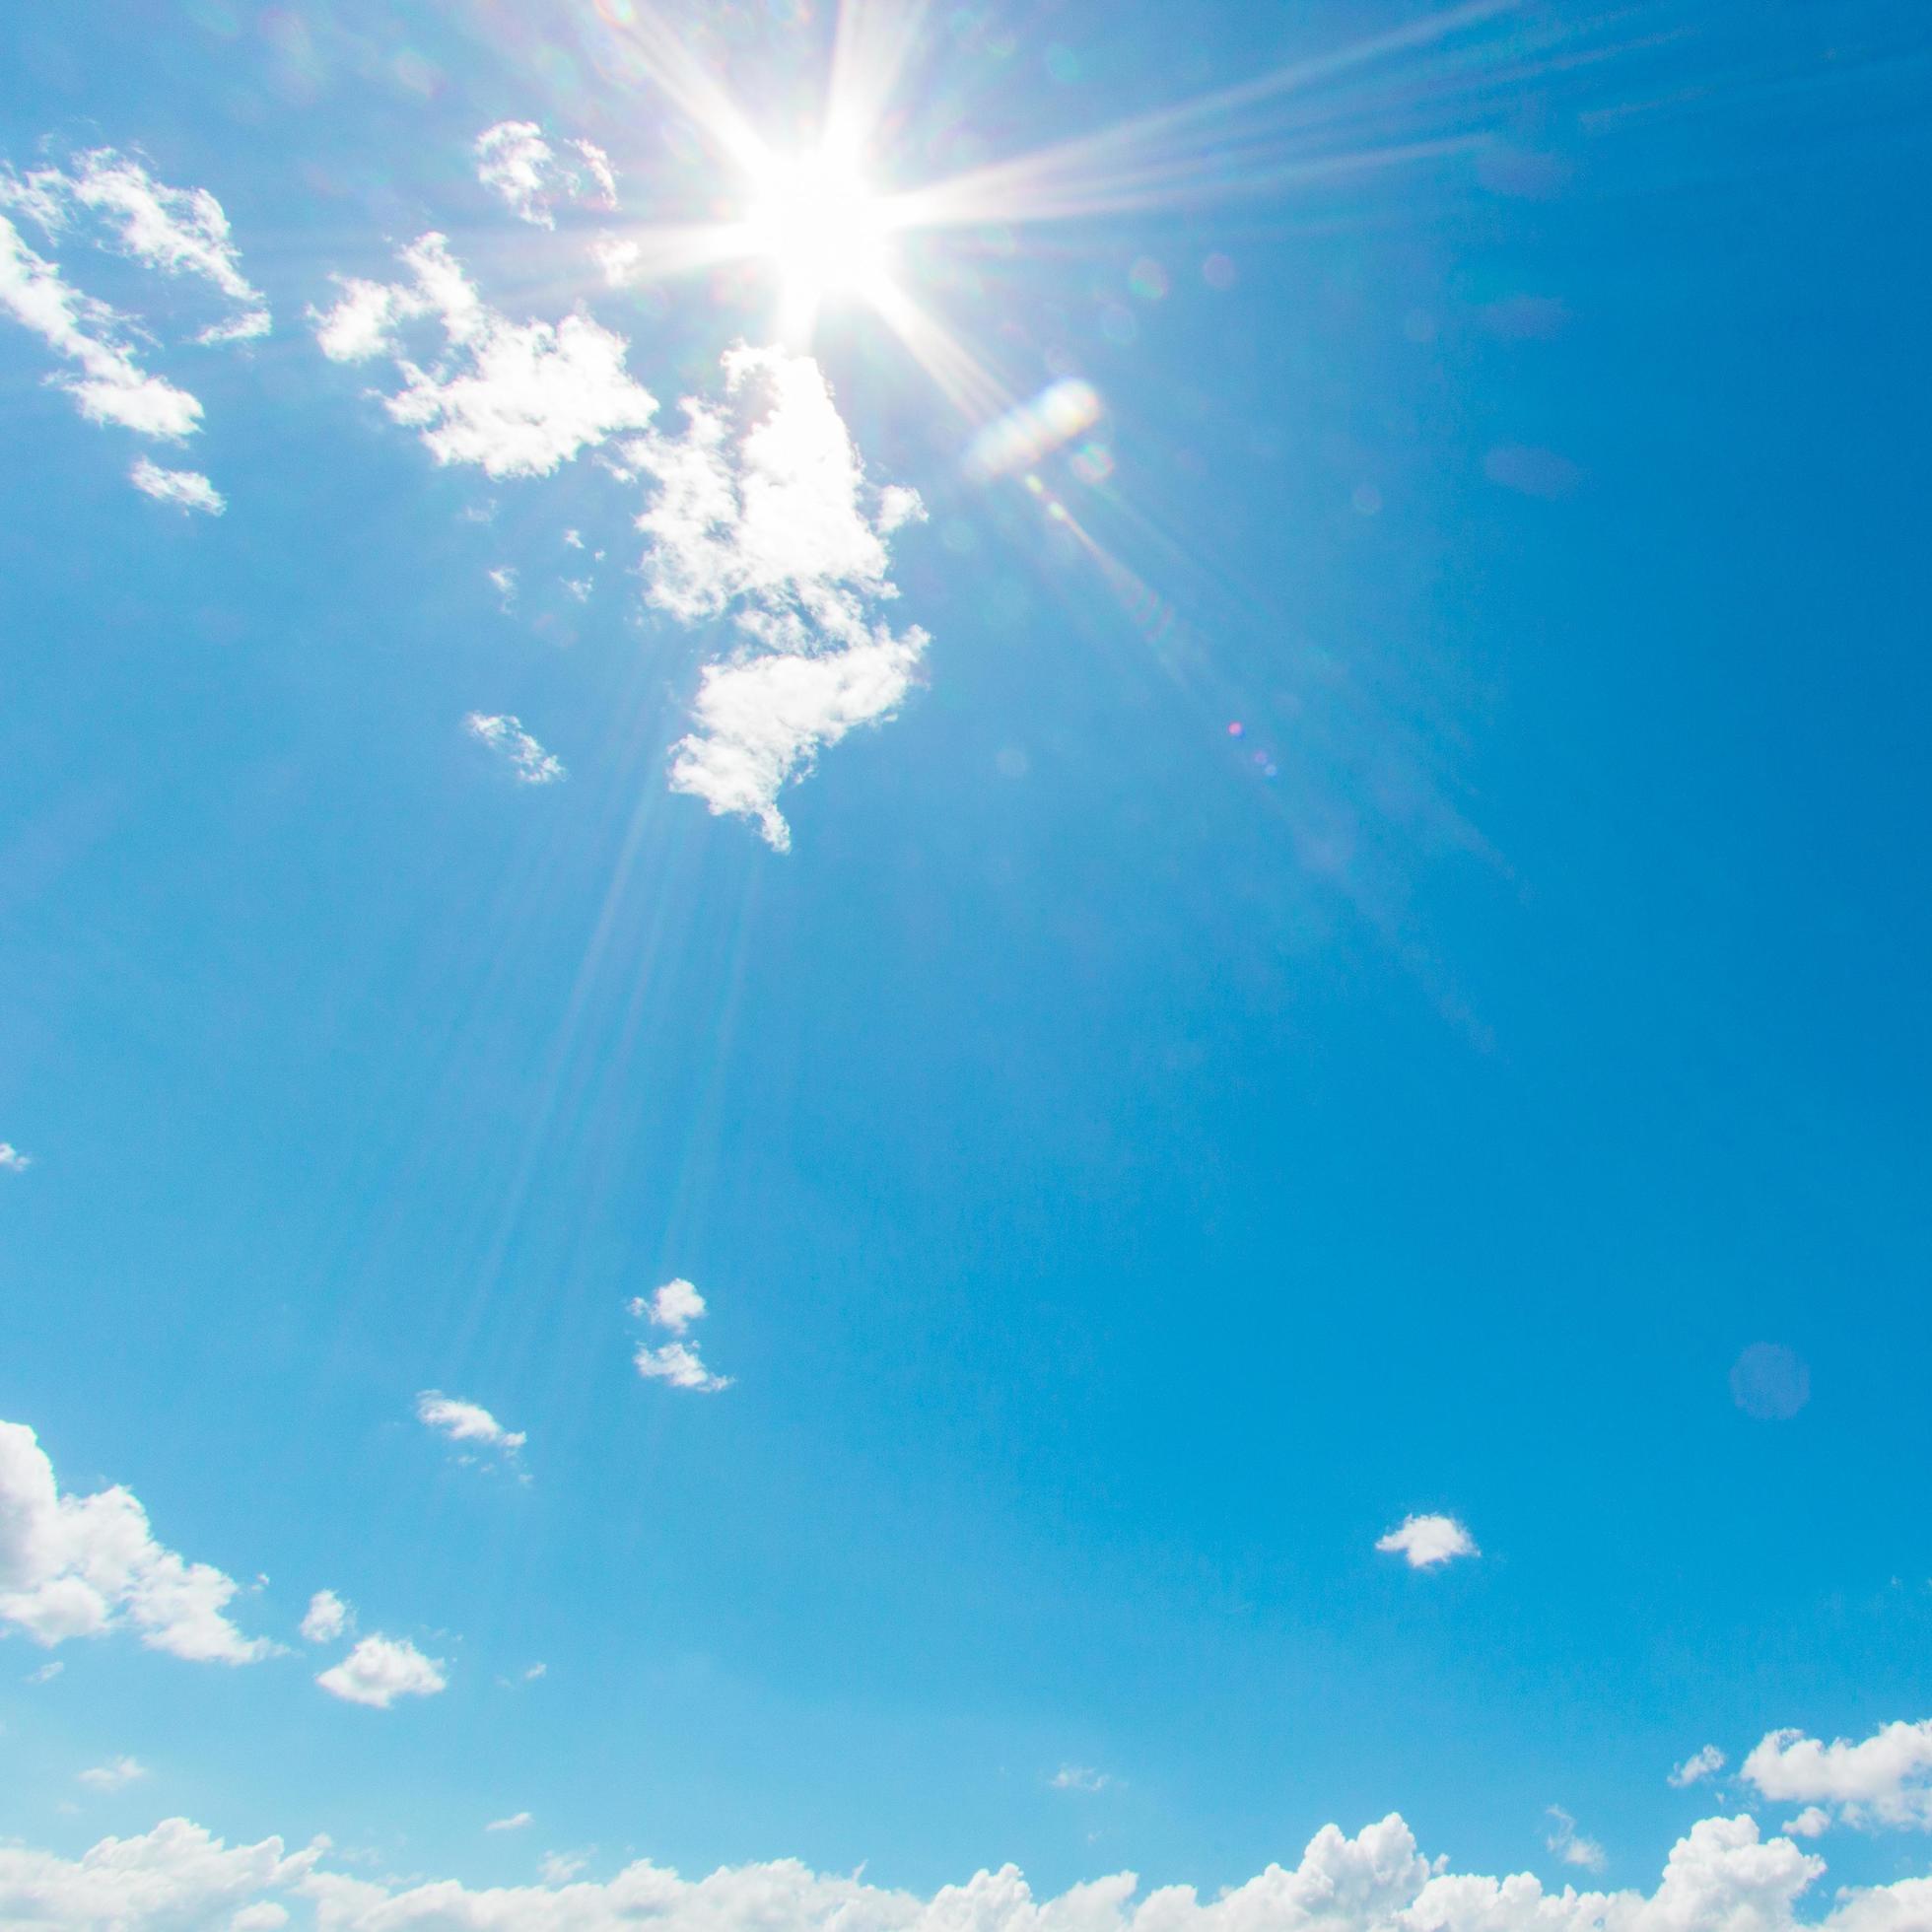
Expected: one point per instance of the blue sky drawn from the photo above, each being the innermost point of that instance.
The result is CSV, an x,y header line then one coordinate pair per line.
x,y
997,1076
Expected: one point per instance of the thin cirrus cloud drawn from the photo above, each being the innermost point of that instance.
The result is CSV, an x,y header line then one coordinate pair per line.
x,y
1428,1542
1570,1844
518,164
80,1567
379,1670
1722,1876
515,399
180,489
516,1822
114,1774
1700,1766
525,757
1884,1780
326,1618
762,511
673,1307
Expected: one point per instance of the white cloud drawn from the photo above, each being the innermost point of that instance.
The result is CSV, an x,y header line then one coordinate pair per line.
x,y
466,1422
112,1775
186,488
1425,1542
674,1306
534,1672
110,385
1885,1780
505,736
516,163
326,1618
1570,1844
46,1673
514,1822
761,510
171,1879
12,1160
560,1867
680,1364
264,1917
75,1566
1079,1777
516,400
1811,1822
1703,1764
381,1669
1722,1876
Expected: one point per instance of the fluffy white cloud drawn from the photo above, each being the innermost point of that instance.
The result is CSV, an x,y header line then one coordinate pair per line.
x,y
1423,1541
514,1823
761,511
109,385
1887,1780
12,1160
112,1775
466,1422
516,163
674,1306
75,1566
381,1669
518,399
680,1364
1811,1822
326,1618
1703,1764
186,488
176,1878
505,736
1570,1844
1720,1877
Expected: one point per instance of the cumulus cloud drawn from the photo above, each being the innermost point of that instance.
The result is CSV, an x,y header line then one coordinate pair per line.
x,y
1425,1542
379,1670
185,489
112,1775
761,511
516,164
1811,1822
1703,1764
326,1618
674,1306
514,1823
1720,1877
78,1567
1884,1781
12,1160
109,384
1570,1844
505,736
516,399
466,1422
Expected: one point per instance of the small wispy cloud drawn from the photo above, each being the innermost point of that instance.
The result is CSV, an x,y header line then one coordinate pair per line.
x,y
46,1673
518,164
379,1670
1427,1541
516,1822
1079,1777
112,1775
326,1618
505,736
181,489
560,1867
674,1306
1570,1844
1700,1764
466,1422
12,1160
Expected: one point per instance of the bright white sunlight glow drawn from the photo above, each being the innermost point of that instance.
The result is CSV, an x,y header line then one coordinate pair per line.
x,y
821,222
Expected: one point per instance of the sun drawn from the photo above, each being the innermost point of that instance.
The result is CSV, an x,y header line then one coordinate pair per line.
x,y
821,224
